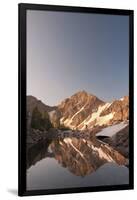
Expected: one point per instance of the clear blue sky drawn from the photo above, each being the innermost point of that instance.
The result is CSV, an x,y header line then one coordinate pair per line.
x,y
68,52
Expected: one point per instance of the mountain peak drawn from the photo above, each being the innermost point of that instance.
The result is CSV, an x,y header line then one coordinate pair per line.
x,y
83,93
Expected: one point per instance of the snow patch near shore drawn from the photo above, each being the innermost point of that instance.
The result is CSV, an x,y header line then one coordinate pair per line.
x,y
112,130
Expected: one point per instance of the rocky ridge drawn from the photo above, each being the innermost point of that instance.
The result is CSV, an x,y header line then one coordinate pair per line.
x,y
83,111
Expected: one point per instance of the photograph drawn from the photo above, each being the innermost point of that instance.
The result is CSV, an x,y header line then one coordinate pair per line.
x,y
77,100
79,129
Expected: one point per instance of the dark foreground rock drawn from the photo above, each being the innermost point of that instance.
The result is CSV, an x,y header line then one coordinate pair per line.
x,y
120,141
34,136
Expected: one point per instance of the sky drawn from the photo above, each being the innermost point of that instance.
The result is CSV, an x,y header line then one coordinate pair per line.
x,y
70,52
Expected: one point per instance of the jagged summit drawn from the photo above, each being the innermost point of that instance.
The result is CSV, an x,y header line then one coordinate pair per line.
x,y
78,107
82,93
80,97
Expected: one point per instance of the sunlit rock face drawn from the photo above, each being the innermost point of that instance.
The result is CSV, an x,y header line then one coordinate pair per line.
x,y
78,107
120,108
85,110
120,141
82,157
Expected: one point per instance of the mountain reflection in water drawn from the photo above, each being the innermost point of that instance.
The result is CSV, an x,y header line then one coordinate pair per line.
x,y
62,162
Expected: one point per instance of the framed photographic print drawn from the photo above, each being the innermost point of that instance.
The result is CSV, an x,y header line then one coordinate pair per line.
x,y
75,99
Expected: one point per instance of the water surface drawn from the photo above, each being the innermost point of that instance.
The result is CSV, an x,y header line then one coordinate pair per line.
x,y
73,162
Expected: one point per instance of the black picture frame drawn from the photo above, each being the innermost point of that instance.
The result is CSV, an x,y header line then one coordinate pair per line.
x,y
22,8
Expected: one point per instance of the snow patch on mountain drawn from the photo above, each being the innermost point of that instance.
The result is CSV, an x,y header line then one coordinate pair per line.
x,y
104,119
95,116
68,122
77,113
122,99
